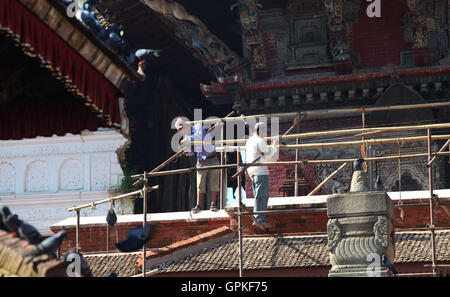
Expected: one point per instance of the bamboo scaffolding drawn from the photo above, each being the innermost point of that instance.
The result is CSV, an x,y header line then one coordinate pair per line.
x,y
336,172
431,187
360,142
333,133
292,163
95,203
319,209
321,112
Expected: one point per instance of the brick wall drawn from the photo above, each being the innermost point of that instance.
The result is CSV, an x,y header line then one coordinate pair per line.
x,y
93,237
313,222
380,40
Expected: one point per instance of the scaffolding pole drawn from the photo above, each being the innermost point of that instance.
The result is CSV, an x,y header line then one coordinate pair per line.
x,y
336,111
354,132
430,185
241,264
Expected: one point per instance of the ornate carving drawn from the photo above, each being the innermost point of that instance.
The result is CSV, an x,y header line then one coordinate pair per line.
x,y
339,46
257,56
381,229
334,234
71,175
196,35
36,177
7,178
304,7
248,15
100,172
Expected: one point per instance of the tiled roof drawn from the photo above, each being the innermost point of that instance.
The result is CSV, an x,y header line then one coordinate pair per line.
x,y
298,251
13,260
123,264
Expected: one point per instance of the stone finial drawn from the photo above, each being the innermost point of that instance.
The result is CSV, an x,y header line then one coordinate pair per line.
x,y
360,232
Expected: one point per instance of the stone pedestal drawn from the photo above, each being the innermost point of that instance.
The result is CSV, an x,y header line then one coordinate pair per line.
x,y
360,230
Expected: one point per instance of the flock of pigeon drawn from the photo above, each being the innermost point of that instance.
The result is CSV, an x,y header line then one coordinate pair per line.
x,y
9,222
111,35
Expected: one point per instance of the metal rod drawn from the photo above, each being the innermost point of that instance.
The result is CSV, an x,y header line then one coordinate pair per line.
x,y
331,111
77,232
416,274
144,223
440,151
222,171
318,209
296,159
292,163
420,204
241,270
430,185
272,211
94,203
333,133
336,172
360,142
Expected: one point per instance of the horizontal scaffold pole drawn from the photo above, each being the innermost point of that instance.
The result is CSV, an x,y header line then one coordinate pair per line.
x,y
334,132
93,204
292,163
319,112
372,141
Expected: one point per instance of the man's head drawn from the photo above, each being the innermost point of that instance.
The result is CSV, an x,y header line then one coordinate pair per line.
x,y
180,125
261,129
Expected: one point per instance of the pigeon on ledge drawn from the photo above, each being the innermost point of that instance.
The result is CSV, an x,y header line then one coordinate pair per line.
x,y
379,184
136,238
358,165
5,213
49,245
25,230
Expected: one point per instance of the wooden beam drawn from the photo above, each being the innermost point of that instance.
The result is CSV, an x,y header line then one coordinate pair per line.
x,y
336,172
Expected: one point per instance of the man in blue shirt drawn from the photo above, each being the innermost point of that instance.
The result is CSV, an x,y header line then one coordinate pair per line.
x,y
206,156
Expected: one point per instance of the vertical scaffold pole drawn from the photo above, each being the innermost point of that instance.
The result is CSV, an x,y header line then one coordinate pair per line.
x,y
77,232
222,171
241,272
144,223
430,186
296,159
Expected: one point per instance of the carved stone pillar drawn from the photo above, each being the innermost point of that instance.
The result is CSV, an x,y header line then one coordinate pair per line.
x,y
360,230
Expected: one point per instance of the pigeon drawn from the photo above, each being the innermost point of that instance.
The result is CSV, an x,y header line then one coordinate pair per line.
x,y
111,218
388,264
2,227
144,54
357,165
85,270
49,245
114,39
112,274
136,238
25,230
9,225
378,184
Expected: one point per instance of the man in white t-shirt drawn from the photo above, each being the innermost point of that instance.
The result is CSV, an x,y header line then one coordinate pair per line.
x,y
256,147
